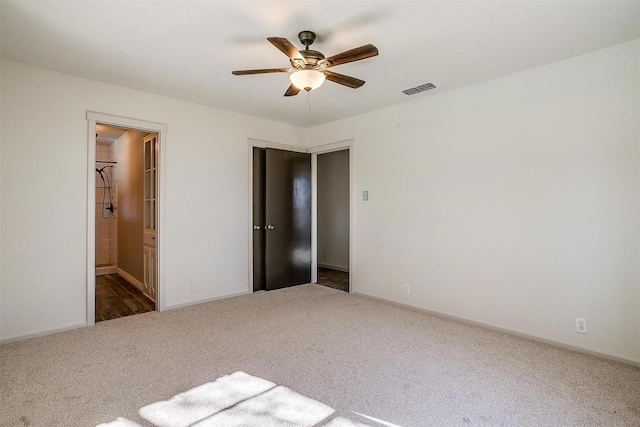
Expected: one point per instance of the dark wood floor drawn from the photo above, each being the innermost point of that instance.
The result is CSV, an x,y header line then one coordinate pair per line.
x,y
115,297
333,278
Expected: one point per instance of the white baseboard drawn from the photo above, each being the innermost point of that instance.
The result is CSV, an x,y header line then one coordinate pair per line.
x,y
333,267
42,333
225,296
510,332
135,282
203,301
100,271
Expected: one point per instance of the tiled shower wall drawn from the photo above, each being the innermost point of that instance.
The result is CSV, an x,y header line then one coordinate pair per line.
x,y
106,228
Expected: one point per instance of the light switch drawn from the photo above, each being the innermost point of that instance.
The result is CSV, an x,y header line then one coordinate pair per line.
x,y
365,195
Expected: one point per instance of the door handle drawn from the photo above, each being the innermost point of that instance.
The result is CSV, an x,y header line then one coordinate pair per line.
x,y
256,227
270,227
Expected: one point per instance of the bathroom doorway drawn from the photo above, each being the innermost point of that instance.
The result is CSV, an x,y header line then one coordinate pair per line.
x,y
125,182
124,213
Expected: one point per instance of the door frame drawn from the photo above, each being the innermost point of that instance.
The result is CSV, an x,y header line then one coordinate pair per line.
x,y
348,144
93,119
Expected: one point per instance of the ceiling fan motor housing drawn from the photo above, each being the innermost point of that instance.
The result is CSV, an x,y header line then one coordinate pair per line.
x,y
307,38
313,58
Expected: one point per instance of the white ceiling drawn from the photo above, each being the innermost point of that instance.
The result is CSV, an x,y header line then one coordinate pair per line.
x,y
187,49
106,135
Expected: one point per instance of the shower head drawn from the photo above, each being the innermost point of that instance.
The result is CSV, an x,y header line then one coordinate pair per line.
x,y
101,174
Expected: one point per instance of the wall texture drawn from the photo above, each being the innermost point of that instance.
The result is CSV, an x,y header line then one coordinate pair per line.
x,y
43,275
333,209
515,202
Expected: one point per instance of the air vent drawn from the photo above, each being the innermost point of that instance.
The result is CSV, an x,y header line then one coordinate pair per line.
x,y
418,89
411,91
427,86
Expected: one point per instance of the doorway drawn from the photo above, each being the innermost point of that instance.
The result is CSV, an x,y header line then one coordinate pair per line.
x,y
332,178
124,220
125,182
343,277
255,262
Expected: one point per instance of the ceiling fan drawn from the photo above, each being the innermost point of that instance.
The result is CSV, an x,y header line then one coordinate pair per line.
x,y
310,67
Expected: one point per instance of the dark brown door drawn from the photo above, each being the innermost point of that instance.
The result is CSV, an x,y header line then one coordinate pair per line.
x,y
287,218
259,189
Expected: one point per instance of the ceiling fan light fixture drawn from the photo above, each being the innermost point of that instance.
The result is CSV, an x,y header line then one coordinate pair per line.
x,y
310,67
307,79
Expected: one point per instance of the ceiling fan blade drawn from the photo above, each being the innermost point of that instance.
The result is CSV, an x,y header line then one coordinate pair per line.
x,y
287,48
343,80
262,71
362,52
292,91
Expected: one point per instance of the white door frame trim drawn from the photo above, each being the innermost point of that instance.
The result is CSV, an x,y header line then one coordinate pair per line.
x,y
314,151
94,118
323,149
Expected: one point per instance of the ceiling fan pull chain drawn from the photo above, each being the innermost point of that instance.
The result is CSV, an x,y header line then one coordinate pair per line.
x,y
309,101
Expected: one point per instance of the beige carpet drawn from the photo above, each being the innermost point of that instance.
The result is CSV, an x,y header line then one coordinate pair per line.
x,y
238,400
373,363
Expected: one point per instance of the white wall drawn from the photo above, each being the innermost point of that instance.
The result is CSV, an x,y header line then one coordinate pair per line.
x,y
333,209
44,194
514,202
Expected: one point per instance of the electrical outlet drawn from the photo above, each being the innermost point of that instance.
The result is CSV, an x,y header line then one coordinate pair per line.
x,y
407,289
194,286
581,325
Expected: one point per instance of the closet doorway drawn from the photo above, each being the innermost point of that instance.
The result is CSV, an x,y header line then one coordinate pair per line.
x,y
333,214
124,210
257,231
332,178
